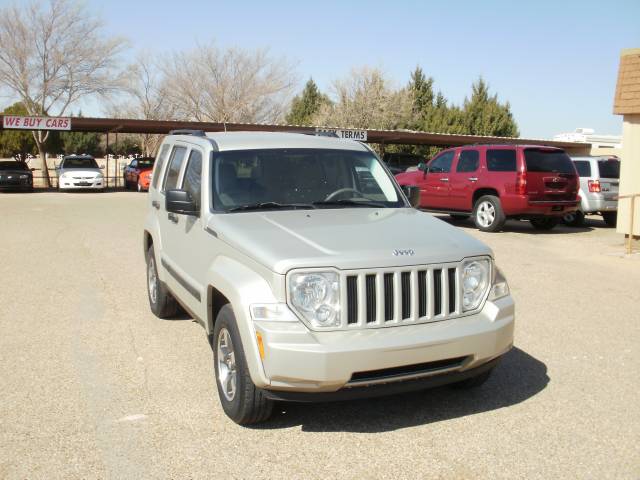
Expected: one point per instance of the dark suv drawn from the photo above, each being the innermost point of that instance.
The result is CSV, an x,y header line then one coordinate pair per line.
x,y
496,182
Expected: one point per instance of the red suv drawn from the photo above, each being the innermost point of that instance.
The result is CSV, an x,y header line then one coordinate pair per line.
x,y
496,182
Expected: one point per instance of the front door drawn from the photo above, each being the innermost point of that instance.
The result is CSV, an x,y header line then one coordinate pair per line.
x,y
463,179
434,187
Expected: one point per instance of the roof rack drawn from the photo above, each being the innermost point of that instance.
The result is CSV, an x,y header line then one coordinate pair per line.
x,y
195,133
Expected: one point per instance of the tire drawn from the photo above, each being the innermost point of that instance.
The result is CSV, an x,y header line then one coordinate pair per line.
x,y
473,382
610,218
162,303
574,219
241,400
544,223
458,217
488,215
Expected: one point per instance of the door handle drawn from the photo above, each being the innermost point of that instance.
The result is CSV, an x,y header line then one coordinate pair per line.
x,y
444,179
172,217
155,204
473,179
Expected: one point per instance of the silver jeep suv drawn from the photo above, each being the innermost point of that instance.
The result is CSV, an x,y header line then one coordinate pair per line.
x,y
312,274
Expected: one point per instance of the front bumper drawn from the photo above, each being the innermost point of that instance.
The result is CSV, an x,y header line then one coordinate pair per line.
x,y
299,360
74,184
16,187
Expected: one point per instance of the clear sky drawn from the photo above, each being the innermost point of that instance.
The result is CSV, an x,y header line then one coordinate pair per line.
x,y
554,61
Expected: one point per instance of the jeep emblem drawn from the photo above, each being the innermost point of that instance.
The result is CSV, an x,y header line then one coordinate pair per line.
x,y
400,253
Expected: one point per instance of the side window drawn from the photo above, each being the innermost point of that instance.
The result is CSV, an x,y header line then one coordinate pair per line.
x,y
192,175
134,164
583,167
501,160
442,164
162,156
173,170
469,161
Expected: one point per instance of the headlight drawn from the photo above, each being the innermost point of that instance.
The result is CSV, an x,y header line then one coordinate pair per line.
x,y
24,176
475,282
99,176
316,296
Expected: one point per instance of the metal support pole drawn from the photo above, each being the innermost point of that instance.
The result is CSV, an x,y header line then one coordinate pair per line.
x,y
633,204
382,150
107,154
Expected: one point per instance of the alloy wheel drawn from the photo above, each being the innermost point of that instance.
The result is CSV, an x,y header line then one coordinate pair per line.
x,y
226,359
152,281
486,214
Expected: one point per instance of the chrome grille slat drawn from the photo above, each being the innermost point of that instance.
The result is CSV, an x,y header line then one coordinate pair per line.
x,y
388,297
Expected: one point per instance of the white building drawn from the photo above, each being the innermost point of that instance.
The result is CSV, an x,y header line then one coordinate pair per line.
x,y
600,144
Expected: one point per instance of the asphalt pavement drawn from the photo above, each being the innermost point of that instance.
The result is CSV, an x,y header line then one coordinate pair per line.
x,y
92,385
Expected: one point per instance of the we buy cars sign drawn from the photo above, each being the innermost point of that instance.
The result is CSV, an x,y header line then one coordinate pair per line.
x,y
14,122
360,135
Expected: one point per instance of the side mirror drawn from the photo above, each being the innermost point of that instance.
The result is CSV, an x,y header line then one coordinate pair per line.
x,y
180,201
413,194
422,167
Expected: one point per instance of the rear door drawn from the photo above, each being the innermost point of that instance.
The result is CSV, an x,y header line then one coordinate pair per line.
x,y
551,175
463,179
609,172
434,186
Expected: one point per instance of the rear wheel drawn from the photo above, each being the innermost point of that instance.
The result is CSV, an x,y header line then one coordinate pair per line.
x,y
162,303
610,218
488,215
574,219
544,223
241,400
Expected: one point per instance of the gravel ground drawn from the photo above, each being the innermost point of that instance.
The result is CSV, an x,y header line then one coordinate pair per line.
x,y
92,385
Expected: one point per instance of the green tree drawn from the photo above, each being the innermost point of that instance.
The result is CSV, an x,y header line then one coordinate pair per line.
x,y
17,143
422,96
306,105
485,115
81,143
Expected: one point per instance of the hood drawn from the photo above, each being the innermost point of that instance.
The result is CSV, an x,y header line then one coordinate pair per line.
x,y
344,238
80,172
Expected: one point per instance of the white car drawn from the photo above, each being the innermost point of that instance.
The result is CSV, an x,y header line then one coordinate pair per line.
x,y
77,172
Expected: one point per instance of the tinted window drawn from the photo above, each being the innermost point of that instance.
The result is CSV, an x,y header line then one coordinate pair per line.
x,y
145,164
173,170
191,182
501,160
79,162
13,166
468,161
583,167
164,151
442,164
609,168
551,161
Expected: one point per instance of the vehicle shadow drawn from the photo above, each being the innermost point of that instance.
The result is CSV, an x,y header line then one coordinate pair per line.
x,y
518,377
523,226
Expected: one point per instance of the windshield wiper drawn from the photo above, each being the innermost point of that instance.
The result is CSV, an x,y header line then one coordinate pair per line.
x,y
352,203
271,206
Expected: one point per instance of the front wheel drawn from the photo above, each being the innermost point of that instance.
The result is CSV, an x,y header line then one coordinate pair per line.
x,y
610,218
488,215
241,400
544,223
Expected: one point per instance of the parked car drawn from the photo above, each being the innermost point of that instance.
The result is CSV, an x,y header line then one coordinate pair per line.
x,y
599,181
400,162
16,176
312,274
492,183
144,179
78,172
134,170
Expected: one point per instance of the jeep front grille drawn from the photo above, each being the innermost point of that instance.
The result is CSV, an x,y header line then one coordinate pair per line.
x,y
400,296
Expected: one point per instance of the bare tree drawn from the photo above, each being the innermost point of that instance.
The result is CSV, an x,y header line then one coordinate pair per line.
x,y
52,56
145,97
232,85
365,99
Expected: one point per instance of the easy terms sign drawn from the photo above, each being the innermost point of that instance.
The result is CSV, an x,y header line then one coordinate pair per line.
x,y
35,123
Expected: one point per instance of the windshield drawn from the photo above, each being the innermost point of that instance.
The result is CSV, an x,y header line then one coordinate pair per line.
x,y
145,163
301,178
79,162
551,161
609,168
13,166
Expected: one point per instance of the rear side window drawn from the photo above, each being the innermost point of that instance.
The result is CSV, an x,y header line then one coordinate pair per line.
x,y
501,160
548,161
609,168
162,156
442,164
469,161
583,167
192,175
173,170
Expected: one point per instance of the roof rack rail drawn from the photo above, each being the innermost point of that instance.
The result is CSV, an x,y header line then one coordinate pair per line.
x,y
184,131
